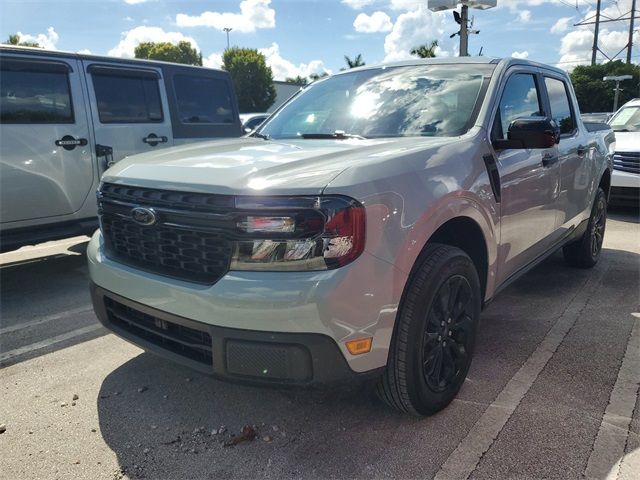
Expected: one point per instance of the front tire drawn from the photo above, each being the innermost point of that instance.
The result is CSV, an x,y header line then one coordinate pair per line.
x,y
435,333
585,252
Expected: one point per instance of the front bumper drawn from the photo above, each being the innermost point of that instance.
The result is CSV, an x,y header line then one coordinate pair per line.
x,y
625,179
227,353
352,302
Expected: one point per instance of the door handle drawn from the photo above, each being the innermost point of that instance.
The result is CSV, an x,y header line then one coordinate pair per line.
x,y
549,159
69,143
582,150
152,139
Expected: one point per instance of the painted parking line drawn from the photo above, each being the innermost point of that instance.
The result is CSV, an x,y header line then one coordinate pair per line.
x,y
4,356
607,455
465,458
49,318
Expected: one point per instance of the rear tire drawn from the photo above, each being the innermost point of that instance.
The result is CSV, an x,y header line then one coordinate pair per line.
x,y
585,252
435,332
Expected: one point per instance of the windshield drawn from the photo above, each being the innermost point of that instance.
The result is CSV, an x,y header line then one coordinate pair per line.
x,y
424,100
627,120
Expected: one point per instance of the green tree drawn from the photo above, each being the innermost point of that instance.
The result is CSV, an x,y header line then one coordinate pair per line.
x,y
297,80
252,78
317,76
357,61
183,52
426,50
595,94
15,40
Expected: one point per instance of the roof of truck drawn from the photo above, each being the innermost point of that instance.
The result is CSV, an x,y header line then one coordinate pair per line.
x,y
87,56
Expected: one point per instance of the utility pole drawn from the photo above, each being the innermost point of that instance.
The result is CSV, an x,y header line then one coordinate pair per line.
x,y
227,29
464,31
630,47
617,79
595,34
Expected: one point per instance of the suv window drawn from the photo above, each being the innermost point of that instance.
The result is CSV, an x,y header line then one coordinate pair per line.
x,y
203,100
560,105
35,97
127,99
520,98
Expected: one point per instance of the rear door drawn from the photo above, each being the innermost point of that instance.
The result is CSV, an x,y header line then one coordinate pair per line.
x,y
528,177
129,109
46,163
576,162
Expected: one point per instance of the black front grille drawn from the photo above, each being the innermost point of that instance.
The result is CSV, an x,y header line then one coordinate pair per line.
x,y
627,162
187,342
188,242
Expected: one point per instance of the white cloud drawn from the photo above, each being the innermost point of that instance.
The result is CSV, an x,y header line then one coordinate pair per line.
x,y
213,61
254,14
135,2
415,28
524,16
406,4
84,51
45,40
562,25
130,40
523,54
283,68
357,4
376,22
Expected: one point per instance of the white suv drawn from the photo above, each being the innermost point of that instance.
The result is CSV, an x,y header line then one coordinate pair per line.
x,y
625,180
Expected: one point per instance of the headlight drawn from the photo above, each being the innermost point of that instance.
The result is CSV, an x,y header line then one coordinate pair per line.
x,y
297,233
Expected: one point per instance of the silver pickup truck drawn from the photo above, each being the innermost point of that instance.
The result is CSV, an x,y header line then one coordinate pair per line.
x,y
359,232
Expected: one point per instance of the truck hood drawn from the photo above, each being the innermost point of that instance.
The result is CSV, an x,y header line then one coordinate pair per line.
x,y
251,166
627,141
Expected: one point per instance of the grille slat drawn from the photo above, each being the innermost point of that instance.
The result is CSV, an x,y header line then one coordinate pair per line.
x,y
185,341
627,162
185,252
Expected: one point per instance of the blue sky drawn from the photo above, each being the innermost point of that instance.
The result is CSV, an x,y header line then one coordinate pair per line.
x,y
309,36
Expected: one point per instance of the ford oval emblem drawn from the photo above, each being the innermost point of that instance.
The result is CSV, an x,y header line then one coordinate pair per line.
x,y
144,216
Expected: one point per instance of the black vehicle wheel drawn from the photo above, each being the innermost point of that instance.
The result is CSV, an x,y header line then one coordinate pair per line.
x,y
435,333
585,252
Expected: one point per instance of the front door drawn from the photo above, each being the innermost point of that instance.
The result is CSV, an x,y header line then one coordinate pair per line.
x,y
129,108
46,163
529,180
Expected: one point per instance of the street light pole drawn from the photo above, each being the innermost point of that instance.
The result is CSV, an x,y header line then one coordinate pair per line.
x,y
464,31
616,79
227,29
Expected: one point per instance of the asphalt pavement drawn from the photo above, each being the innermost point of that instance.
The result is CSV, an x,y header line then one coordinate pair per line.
x,y
552,392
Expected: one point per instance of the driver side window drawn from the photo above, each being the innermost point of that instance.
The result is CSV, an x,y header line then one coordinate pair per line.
x,y
520,98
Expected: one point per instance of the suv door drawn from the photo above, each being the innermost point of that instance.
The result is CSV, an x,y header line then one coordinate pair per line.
x,y
528,178
129,109
46,167
575,159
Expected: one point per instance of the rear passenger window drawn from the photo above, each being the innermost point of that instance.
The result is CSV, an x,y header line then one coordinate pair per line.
x,y
560,105
31,96
203,100
519,99
127,99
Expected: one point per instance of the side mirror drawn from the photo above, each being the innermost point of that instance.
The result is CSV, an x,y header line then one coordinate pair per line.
x,y
530,132
248,130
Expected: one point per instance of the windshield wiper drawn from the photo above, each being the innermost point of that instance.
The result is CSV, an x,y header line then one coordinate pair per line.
x,y
260,135
338,135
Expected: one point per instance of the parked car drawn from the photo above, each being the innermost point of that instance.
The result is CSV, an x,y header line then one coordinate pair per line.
x,y
64,118
600,117
251,121
359,232
625,181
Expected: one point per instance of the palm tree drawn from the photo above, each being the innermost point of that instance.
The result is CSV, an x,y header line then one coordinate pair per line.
x,y
426,50
15,40
297,80
356,62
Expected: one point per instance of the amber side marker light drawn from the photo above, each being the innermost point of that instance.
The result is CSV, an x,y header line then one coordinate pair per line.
x,y
359,346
